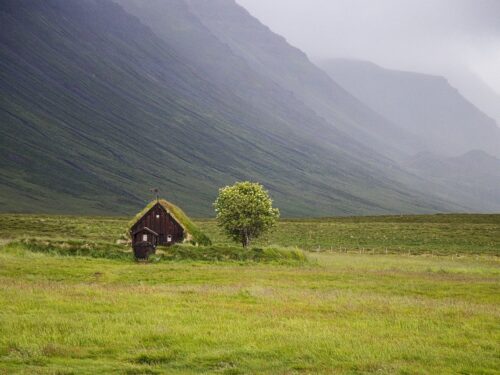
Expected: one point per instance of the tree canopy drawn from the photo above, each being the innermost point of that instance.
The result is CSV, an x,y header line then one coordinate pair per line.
x,y
245,211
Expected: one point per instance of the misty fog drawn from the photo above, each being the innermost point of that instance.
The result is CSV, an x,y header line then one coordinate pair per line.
x,y
458,39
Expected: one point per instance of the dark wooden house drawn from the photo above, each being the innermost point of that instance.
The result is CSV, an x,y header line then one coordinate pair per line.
x,y
162,223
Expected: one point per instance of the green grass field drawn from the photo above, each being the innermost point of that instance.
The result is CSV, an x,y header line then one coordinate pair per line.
x,y
431,305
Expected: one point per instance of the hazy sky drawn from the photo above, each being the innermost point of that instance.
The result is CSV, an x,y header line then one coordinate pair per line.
x,y
434,36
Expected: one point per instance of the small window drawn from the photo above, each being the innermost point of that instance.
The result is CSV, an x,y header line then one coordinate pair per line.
x,y
144,237
157,216
169,238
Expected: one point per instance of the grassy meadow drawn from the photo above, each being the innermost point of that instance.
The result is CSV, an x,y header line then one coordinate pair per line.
x,y
410,294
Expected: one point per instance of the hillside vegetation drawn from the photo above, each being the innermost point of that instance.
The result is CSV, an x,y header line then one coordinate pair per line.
x,y
98,106
67,312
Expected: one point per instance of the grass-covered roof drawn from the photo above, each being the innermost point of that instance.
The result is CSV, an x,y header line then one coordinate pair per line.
x,y
191,231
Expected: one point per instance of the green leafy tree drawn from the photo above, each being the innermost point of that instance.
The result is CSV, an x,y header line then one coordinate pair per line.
x,y
245,211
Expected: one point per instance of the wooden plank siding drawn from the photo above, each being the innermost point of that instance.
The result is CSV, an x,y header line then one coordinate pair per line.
x,y
160,221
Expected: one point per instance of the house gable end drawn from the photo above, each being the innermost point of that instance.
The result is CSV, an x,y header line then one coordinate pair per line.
x,y
161,221
178,223
142,219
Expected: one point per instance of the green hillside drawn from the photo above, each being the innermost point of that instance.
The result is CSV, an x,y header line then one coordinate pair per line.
x,y
96,109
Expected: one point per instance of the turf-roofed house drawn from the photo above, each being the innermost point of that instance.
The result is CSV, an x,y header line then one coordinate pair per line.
x,y
162,223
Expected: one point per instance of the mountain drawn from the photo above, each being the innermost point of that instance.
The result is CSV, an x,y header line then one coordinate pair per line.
x,y
176,24
187,25
427,106
473,176
274,58
474,89
96,107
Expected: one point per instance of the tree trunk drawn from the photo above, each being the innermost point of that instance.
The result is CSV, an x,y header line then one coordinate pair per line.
x,y
245,240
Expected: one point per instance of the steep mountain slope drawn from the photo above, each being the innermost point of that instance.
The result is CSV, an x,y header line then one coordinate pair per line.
x,y
95,109
473,176
270,55
175,23
424,105
475,90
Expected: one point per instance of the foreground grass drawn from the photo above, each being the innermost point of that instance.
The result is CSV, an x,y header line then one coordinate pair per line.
x,y
72,301
346,313
432,234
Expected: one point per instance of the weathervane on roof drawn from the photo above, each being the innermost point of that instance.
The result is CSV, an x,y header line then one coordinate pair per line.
x,y
156,191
